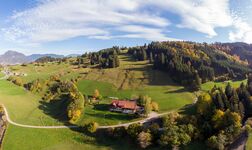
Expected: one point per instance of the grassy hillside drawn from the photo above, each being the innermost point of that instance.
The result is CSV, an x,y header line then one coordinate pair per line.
x,y
23,106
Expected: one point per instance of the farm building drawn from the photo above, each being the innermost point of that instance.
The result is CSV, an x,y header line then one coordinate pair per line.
x,y
124,106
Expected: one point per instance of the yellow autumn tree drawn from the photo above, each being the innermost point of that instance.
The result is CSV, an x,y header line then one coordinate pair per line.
x,y
217,118
203,104
96,93
155,106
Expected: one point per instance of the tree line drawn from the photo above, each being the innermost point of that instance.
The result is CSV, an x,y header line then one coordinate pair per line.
x,y
106,58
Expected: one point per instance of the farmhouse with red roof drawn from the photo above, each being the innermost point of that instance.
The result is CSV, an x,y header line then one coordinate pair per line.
x,y
124,106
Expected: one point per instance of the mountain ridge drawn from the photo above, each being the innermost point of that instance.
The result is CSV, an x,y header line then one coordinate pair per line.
x,y
12,57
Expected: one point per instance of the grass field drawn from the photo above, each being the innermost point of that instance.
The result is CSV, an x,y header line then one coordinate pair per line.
x,y
43,72
23,106
169,97
209,85
18,138
1,75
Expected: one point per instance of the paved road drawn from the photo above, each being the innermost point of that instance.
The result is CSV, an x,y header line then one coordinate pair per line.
x,y
152,115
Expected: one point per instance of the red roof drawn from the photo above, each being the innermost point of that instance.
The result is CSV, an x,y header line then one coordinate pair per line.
x,y
124,104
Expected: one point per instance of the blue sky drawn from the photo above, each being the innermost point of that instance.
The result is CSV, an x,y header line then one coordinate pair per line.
x,y
77,26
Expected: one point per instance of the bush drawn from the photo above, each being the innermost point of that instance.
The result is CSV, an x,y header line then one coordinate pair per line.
x,y
119,132
144,139
134,129
217,142
155,106
92,127
16,80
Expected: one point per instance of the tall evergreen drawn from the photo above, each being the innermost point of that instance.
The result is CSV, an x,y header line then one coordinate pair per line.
x,y
151,58
228,90
220,101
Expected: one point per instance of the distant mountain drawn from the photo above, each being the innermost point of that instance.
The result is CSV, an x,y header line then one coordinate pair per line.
x,y
34,57
12,57
73,55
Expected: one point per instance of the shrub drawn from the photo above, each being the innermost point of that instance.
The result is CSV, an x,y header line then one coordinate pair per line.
x,y
155,106
92,127
16,80
134,129
96,93
119,132
217,142
144,139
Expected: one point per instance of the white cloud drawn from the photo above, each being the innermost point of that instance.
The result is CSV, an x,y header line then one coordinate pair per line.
x,y
153,34
243,31
200,15
137,31
56,20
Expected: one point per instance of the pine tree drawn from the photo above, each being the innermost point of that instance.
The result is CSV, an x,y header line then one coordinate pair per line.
x,y
162,59
117,61
241,109
225,100
196,85
235,101
228,90
151,58
144,55
220,101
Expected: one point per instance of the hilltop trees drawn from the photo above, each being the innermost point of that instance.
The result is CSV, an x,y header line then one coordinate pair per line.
x,y
106,58
190,63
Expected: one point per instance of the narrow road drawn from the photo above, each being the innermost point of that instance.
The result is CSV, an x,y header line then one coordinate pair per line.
x,y
152,115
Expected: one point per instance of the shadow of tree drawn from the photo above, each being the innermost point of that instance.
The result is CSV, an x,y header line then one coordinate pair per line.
x,y
102,107
177,91
56,109
189,109
112,116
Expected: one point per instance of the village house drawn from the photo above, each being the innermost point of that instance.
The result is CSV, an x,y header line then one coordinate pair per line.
x,y
125,106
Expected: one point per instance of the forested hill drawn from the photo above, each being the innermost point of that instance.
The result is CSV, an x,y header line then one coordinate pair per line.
x,y
238,49
191,63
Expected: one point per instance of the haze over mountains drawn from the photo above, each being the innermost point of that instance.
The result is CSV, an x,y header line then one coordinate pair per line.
x,y
13,57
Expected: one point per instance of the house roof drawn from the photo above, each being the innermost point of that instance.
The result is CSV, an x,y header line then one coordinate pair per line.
x,y
124,104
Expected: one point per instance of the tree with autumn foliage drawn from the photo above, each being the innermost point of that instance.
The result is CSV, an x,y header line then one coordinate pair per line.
x,y
96,94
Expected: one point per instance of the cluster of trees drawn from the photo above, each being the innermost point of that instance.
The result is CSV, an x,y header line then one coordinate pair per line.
x,y
107,58
190,63
35,86
221,113
67,90
135,132
172,132
47,59
16,80
147,103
